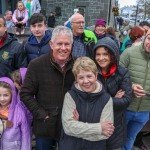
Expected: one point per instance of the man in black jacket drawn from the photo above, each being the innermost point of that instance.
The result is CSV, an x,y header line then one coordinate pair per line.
x,y
47,80
12,56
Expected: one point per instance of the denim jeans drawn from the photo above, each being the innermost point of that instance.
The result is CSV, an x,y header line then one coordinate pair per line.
x,y
45,144
135,122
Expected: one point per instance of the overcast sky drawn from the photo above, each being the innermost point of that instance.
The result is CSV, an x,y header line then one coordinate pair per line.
x,y
126,2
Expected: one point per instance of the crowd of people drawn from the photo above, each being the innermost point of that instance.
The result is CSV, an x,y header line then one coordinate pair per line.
x,y
72,88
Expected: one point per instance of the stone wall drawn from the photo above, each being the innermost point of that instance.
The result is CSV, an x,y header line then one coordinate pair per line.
x,y
94,9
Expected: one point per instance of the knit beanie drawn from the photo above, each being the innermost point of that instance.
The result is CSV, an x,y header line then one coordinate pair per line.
x,y
100,22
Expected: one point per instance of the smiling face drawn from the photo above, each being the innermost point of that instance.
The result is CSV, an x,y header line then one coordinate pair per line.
x,y
61,48
103,58
147,44
5,96
77,24
86,80
100,29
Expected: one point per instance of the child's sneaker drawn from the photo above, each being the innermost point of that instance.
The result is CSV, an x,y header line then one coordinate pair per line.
x,y
22,31
17,33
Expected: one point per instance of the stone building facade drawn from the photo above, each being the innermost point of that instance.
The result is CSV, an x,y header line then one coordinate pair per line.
x,y
92,10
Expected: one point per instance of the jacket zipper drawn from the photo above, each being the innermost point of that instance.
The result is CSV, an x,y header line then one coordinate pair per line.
x,y
144,84
87,109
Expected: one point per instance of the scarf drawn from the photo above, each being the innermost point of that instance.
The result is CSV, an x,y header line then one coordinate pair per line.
x,y
111,71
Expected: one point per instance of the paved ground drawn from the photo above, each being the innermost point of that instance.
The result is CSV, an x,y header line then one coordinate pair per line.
x,y
146,140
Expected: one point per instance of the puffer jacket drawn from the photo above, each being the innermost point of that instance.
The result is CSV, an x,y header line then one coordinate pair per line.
x,y
118,80
137,61
17,137
12,56
34,49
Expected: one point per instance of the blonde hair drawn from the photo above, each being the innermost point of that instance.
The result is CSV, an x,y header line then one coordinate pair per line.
x,y
84,63
24,8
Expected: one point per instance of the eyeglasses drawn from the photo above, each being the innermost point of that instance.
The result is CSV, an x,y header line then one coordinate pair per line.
x,y
81,22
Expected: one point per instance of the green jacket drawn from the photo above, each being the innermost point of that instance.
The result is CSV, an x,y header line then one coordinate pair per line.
x,y
136,60
89,35
124,43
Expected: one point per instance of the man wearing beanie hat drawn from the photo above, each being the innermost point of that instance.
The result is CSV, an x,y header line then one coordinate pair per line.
x,y
83,40
100,28
136,59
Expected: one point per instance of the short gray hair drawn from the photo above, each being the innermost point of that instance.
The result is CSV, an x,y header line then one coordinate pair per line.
x,y
8,11
74,15
59,30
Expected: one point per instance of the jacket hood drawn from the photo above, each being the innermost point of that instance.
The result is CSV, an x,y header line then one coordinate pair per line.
x,y
10,37
47,37
14,96
108,43
23,73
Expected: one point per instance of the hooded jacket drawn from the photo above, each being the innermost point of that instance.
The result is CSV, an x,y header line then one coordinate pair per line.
x,y
12,56
34,49
17,137
29,115
118,80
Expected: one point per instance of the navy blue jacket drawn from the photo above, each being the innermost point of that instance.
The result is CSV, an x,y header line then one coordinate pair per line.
x,y
12,56
34,49
89,107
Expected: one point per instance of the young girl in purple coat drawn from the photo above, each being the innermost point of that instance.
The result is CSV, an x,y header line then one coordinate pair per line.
x,y
18,136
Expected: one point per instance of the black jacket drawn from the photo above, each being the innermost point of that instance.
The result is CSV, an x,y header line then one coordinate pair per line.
x,y
12,56
118,80
89,107
43,93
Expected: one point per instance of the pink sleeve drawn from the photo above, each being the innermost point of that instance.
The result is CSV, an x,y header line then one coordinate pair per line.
x,y
14,19
25,16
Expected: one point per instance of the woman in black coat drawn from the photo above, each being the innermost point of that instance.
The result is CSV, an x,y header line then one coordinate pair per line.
x,y
116,82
